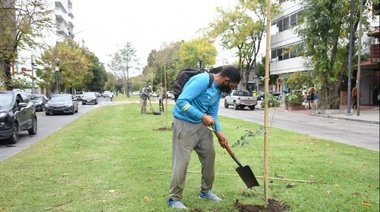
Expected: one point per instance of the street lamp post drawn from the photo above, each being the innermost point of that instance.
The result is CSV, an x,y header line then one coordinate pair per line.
x,y
56,74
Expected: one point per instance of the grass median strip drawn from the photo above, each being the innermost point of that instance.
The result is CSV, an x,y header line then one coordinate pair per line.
x,y
115,159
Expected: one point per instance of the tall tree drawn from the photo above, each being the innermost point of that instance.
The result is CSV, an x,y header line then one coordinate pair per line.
x,y
123,62
73,66
325,29
242,28
21,22
98,71
199,52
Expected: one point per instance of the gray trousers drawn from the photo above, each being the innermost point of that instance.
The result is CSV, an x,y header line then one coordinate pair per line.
x,y
143,105
187,137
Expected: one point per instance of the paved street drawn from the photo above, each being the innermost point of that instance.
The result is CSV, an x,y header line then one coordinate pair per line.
x,y
361,131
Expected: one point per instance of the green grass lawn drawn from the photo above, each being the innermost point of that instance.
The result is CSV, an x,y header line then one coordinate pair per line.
x,y
116,159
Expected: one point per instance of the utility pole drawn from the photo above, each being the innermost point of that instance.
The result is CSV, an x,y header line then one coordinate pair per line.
x,y
350,60
32,63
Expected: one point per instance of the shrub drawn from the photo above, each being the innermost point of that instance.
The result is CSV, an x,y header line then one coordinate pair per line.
x,y
294,99
273,101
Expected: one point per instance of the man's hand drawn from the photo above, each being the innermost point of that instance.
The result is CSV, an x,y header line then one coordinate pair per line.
x,y
222,139
208,120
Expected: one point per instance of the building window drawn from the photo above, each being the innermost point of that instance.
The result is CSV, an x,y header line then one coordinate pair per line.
x,y
293,20
273,54
279,25
279,54
285,23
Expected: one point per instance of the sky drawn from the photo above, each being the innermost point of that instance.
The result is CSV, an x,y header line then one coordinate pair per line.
x,y
106,26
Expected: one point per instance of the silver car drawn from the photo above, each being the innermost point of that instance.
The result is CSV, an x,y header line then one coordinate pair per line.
x,y
61,104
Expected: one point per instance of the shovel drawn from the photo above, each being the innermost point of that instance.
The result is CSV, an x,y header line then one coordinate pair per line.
x,y
244,172
151,108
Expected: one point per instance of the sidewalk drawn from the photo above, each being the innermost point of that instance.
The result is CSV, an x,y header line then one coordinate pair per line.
x,y
368,114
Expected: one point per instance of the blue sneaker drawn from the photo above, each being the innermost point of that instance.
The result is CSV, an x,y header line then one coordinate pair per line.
x,y
176,204
210,196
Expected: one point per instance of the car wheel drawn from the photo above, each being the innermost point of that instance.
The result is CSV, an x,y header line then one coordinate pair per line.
x,y
33,130
252,107
14,137
236,107
225,104
72,110
83,103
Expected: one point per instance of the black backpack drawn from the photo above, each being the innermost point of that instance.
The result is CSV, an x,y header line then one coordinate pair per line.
x,y
182,79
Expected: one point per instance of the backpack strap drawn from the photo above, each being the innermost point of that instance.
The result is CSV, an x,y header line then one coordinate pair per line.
x,y
210,80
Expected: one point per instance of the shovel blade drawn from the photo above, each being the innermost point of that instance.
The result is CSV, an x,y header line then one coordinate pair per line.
x,y
247,176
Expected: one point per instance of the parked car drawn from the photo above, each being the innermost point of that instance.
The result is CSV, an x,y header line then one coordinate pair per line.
x,y
61,104
17,113
107,94
240,99
79,95
39,101
261,95
89,98
170,95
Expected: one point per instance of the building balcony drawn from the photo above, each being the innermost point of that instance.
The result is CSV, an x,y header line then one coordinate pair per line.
x,y
288,66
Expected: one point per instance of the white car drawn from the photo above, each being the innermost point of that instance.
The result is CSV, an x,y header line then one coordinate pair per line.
x,y
170,94
107,94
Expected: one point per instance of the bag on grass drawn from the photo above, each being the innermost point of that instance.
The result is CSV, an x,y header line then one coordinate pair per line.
x,y
185,76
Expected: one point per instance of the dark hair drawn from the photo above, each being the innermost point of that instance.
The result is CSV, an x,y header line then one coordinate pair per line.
x,y
231,72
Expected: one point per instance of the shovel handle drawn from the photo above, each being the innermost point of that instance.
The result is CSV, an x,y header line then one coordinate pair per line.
x,y
228,148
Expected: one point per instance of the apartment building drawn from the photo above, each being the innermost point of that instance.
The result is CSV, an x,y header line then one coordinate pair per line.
x,y
284,62
282,38
64,18
64,27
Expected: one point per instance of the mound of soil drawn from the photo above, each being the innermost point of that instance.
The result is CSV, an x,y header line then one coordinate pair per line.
x,y
162,129
272,206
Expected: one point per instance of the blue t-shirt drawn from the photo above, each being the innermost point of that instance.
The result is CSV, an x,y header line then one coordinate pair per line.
x,y
197,99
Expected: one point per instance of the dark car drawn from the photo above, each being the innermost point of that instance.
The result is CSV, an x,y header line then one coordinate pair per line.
x,y
260,95
61,104
17,113
39,101
89,98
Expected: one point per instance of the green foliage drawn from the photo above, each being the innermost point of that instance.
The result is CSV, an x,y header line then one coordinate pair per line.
x,y
199,52
324,28
299,79
21,22
294,98
273,101
74,66
242,28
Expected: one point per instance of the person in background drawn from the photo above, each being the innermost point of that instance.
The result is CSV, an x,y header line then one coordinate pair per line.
x,y
310,96
354,95
161,96
315,102
144,95
196,109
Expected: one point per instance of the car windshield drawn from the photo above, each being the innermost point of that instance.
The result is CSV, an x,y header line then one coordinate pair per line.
x,y
242,93
89,94
61,98
5,99
35,98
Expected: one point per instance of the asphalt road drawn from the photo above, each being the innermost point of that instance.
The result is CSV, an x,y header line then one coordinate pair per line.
x,y
46,126
365,135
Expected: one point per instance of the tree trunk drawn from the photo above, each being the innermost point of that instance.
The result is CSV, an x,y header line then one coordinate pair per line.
x,y
329,97
8,75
